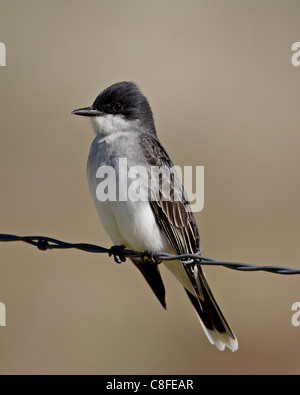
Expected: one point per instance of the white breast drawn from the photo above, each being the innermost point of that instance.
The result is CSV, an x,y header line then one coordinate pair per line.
x,y
130,223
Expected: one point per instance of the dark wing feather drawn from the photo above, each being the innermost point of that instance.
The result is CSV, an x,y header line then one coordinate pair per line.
x,y
174,216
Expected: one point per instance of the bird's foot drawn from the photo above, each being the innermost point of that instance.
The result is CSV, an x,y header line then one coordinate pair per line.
x,y
118,253
148,256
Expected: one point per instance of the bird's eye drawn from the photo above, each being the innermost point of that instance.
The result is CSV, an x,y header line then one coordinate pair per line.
x,y
118,107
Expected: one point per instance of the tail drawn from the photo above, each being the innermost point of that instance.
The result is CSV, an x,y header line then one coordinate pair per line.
x,y
212,320
151,273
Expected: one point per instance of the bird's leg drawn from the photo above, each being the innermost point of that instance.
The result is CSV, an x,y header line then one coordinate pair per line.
x,y
148,256
118,253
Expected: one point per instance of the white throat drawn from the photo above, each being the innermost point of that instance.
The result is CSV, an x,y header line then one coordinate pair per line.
x,y
108,124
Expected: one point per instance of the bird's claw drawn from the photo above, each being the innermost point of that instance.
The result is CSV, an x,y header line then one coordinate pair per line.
x,y
118,253
148,256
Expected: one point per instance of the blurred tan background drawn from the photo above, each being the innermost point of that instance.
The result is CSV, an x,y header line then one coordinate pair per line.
x,y
225,95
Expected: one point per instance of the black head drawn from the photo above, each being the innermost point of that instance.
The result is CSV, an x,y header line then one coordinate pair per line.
x,y
121,99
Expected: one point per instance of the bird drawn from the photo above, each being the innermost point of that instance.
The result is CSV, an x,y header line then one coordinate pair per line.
x,y
125,131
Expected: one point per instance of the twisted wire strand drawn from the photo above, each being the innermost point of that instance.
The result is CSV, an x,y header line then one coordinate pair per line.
x,y
47,243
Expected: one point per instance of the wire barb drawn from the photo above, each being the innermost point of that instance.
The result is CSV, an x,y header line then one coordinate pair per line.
x,y
48,243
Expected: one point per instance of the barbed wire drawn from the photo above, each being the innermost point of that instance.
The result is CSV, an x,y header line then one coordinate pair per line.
x,y
120,255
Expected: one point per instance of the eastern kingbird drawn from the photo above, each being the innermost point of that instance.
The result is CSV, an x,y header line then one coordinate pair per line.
x,y
123,123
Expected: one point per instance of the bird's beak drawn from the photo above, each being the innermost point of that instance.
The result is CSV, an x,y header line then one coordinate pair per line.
x,y
88,112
